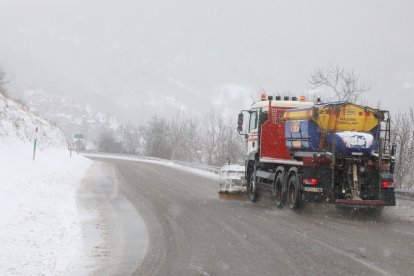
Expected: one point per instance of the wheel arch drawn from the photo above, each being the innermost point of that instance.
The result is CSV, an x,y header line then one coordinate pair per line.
x,y
253,156
279,169
293,171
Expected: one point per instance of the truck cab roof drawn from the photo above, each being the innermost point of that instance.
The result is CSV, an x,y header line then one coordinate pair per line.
x,y
289,104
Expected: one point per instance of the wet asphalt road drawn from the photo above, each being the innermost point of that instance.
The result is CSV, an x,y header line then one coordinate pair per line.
x,y
192,232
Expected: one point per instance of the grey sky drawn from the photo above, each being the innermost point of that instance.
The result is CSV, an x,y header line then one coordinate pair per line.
x,y
133,58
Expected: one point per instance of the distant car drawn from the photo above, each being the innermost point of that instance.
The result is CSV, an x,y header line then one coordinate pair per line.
x,y
232,179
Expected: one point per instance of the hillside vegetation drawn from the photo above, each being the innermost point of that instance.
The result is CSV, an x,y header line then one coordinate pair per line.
x,y
17,124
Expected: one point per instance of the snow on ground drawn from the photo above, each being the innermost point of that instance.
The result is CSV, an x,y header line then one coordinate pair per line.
x,y
40,232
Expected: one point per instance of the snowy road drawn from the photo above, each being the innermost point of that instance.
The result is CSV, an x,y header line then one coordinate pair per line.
x,y
192,232
110,224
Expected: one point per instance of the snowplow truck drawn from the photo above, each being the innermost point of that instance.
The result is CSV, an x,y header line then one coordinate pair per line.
x,y
335,152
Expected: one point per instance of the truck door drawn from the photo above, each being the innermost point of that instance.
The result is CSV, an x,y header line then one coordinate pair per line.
x,y
253,140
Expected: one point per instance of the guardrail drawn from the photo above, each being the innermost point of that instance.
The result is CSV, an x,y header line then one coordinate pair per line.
x,y
203,167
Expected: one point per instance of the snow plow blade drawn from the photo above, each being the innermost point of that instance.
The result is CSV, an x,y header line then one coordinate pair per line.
x,y
233,195
232,184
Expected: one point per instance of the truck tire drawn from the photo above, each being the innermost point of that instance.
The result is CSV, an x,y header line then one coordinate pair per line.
x,y
293,194
252,186
278,193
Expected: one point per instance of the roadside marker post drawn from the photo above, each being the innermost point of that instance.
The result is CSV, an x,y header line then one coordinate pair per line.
x,y
71,147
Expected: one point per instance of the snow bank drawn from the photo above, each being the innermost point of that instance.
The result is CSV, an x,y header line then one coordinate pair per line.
x,y
40,231
404,210
192,168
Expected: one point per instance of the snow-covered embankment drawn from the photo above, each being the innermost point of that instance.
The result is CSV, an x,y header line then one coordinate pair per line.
x,y
40,232
39,225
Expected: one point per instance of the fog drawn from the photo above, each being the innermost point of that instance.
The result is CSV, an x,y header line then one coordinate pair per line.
x,y
135,58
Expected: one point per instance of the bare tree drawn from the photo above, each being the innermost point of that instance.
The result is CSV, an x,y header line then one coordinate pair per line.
x,y
177,126
130,139
191,138
108,143
156,135
221,140
344,83
403,135
3,82
231,144
212,135
184,138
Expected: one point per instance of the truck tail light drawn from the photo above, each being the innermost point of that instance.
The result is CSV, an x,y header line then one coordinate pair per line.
x,y
310,181
388,184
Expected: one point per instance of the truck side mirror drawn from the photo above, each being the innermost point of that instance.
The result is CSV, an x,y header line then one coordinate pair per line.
x,y
240,122
393,149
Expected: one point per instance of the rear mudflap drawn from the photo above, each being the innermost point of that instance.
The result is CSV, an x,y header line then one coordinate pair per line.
x,y
388,196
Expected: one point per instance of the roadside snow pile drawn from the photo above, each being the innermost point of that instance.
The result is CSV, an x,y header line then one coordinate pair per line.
x,y
40,233
404,210
18,125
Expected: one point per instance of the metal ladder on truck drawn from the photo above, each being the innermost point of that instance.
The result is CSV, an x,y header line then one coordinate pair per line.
x,y
385,148
385,134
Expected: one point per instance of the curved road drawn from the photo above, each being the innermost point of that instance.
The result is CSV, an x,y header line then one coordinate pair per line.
x,y
192,232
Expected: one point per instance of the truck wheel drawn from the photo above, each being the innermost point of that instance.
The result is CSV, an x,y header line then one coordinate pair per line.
x,y
252,186
293,196
278,195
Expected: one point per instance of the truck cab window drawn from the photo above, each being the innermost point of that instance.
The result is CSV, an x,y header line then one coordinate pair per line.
x,y
263,117
253,120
